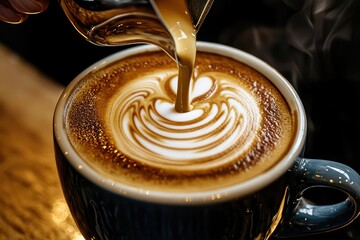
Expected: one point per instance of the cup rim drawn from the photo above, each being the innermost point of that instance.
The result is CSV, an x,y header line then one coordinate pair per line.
x,y
189,198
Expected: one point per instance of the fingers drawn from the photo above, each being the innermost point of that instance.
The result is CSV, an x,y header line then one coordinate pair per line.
x,y
16,11
29,6
9,14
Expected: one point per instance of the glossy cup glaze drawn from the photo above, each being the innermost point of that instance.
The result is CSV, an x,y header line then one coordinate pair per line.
x,y
270,203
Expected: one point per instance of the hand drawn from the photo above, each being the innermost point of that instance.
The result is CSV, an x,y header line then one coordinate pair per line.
x,y
17,11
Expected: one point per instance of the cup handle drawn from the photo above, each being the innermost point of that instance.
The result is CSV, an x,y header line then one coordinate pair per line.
x,y
304,218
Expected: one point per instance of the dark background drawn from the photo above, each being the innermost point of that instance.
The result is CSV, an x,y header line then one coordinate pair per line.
x,y
314,43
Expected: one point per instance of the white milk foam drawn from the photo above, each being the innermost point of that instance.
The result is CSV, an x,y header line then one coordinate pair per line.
x,y
145,126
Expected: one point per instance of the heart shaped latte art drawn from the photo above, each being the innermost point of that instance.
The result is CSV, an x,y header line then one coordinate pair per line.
x,y
145,126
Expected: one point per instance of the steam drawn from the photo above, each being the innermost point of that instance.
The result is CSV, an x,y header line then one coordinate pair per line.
x,y
319,23
311,46
313,31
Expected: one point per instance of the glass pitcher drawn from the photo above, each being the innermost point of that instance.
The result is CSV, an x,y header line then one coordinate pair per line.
x,y
120,22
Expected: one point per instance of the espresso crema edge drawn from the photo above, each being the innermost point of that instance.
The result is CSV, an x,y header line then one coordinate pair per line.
x,y
240,125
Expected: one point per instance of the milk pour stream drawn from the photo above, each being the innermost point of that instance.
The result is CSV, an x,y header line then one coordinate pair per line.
x,y
176,17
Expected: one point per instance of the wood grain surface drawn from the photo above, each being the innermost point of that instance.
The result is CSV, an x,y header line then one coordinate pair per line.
x,y
31,203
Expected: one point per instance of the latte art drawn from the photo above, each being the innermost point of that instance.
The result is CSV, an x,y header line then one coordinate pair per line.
x,y
122,120
146,127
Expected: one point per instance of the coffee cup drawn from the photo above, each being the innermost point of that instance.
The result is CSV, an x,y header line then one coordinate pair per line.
x,y
267,200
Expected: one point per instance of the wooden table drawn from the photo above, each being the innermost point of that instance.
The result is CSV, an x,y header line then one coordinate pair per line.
x,y
31,202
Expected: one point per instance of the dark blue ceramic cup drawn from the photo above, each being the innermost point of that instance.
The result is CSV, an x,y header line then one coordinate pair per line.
x,y
269,204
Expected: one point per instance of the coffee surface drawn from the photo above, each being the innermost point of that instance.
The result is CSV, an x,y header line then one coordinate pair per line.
x,y
122,120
